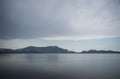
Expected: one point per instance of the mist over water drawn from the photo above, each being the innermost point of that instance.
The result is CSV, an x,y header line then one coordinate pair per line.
x,y
60,66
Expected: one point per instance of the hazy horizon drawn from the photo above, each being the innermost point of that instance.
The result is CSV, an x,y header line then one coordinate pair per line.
x,y
72,45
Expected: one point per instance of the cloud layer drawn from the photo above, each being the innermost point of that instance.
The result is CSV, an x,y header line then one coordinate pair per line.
x,y
59,19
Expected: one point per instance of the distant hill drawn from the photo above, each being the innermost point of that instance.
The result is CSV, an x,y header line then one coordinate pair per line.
x,y
99,51
33,49
51,49
3,50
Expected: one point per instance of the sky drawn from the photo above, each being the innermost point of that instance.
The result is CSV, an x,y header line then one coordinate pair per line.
x,y
72,24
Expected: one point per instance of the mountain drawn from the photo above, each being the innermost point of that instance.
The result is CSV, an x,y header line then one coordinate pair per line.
x,y
32,49
52,49
49,49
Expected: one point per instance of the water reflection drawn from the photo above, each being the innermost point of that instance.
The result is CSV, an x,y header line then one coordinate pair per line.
x,y
52,58
60,66
30,58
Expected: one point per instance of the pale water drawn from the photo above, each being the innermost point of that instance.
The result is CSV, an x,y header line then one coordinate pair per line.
x,y
60,66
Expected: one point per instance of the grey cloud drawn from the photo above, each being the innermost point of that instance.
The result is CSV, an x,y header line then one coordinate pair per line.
x,y
51,18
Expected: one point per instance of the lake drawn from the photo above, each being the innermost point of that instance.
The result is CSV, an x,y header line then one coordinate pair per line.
x,y
60,66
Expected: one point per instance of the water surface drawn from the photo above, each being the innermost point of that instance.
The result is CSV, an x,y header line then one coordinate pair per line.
x,y
60,66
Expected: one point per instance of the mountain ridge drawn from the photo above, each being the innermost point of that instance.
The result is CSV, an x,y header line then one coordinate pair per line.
x,y
51,49
34,49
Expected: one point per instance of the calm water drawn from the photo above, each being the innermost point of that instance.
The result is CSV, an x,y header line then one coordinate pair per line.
x,y
60,66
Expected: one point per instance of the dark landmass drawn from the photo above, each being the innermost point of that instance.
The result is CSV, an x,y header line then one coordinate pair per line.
x,y
51,49
100,51
32,49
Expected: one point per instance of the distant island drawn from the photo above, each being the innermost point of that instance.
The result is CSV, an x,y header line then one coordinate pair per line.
x,y
52,49
100,52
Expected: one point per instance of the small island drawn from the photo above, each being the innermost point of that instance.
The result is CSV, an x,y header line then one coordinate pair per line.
x,y
100,52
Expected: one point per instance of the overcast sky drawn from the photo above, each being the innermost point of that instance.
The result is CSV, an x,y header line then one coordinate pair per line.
x,y
58,20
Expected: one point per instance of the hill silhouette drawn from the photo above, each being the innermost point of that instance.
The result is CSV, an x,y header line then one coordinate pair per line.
x,y
51,49
33,49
